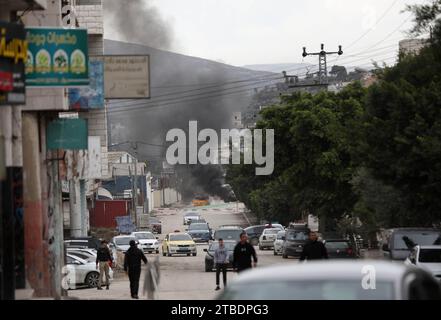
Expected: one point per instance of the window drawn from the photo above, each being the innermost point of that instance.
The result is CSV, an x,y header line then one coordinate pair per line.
x,y
415,237
340,245
180,237
430,256
296,236
144,235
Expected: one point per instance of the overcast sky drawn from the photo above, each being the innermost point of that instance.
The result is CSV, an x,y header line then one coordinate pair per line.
x,y
242,32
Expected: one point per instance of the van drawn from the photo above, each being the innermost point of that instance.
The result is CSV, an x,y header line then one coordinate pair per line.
x,y
400,241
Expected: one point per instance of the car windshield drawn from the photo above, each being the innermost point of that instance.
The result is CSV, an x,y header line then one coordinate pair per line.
x,y
337,245
123,241
144,235
192,214
198,226
271,231
430,256
296,235
280,235
180,237
422,238
229,246
227,234
309,290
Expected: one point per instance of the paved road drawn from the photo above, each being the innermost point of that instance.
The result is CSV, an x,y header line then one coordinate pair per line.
x,y
183,277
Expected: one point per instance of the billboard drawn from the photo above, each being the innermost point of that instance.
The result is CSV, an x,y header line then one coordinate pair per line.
x,y
13,55
67,134
91,97
127,77
57,57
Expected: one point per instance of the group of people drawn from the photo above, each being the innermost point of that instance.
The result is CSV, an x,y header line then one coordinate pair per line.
x,y
244,258
244,255
132,266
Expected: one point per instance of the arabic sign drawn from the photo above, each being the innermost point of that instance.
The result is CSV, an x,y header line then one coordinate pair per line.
x,y
57,57
13,51
68,134
127,77
91,97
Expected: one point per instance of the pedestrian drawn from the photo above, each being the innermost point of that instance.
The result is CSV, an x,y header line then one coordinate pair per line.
x,y
103,261
221,262
314,249
132,267
243,252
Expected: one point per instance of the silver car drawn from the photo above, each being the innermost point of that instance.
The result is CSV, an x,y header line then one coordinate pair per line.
x,y
334,280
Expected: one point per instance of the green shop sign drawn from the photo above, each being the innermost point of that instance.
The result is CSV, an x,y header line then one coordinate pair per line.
x,y
67,134
57,57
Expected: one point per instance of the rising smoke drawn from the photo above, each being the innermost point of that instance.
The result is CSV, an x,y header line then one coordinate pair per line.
x,y
137,21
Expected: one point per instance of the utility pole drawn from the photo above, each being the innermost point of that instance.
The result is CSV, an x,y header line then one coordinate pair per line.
x,y
323,68
135,183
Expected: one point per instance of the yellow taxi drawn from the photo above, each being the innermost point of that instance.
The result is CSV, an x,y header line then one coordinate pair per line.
x,y
178,243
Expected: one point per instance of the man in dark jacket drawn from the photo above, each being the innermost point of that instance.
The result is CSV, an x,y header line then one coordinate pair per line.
x,y
132,266
314,250
243,253
103,259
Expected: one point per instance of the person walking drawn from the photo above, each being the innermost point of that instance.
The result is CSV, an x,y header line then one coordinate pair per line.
x,y
103,261
221,262
243,252
314,249
132,267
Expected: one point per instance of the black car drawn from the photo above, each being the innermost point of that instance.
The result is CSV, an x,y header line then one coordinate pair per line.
x,y
209,257
254,233
340,249
295,239
200,232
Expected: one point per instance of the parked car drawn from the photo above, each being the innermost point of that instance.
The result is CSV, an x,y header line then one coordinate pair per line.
x,y
191,215
178,243
200,231
333,280
155,225
147,241
82,242
278,243
228,233
340,249
254,233
295,239
209,257
86,254
427,258
81,272
400,241
267,238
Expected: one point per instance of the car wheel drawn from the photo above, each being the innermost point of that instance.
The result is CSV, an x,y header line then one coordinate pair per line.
x,y
157,251
284,256
163,253
168,253
254,241
260,248
194,254
92,279
188,254
275,253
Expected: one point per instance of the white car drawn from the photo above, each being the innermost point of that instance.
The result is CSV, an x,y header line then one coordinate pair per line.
x,y
278,243
85,254
191,216
334,280
267,238
147,241
122,243
81,272
427,258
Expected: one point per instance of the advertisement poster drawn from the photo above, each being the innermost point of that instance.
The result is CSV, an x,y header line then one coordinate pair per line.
x,y
91,97
57,57
13,55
